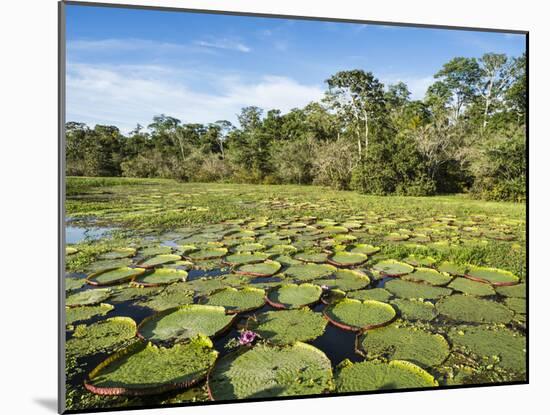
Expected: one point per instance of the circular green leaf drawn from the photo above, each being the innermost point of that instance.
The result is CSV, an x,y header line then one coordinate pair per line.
x,y
307,272
347,259
470,287
159,260
88,297
237,301
294,296
262,269
429,276
161,276
114,276
392,268
492,276
245,258
474,310
408,289
355,315
415,309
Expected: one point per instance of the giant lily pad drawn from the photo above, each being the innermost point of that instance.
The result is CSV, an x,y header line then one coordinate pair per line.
x,y
313,257
377,294
172,296
364,249
420,261
114,276
492,276
472,309
88,297
146,369
159,260
451,268
408,289
307,272
293,295
392,268
347,259
496,345
288,326
471,287
72,284
184,322
155,250
345,280
415,309
249,247
429,276
133,292
374,375
358,315
207,253
262,269
86,312
237,301
108,264
245,258
101,336
118,253
161,276
404,343
518,291
266,371
519,305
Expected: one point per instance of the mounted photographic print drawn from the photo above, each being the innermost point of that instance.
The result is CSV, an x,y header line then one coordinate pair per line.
x,y
261,207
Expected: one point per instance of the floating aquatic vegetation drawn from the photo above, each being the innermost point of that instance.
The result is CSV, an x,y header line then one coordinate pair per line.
x,y
396,237
72,284
207,253
155,250
204,286
364,249
145,369
518,291
70,250
408,289
494,276
132,292
375,375
429,276
158,260
497,346
88,297
161,276
451,268
248,247
184,322
413,344
345,280
392,268
261,269
347,259
377,294
471,287
313,257
102,336
288,326
172,296
472,309
307,272
81,313
118,253
294,295
355,315
415,309
108,264
299,369
114,276
518,305
245,258
237,300
282,249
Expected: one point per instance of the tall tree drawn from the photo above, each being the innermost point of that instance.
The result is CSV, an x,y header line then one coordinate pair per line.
x,y
496,74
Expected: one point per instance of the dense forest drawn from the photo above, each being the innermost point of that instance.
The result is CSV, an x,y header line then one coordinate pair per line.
x,y
468,134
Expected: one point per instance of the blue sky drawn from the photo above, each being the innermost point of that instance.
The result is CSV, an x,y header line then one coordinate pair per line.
x,y
126,65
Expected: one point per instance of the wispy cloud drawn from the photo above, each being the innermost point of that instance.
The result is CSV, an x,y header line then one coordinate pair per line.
x,y
224,43
126,95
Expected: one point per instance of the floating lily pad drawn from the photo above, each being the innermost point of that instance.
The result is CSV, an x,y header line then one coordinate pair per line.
x,y
314,257
429,276
282,249
159,260
519,305
519,290
262,269
417,261
70,250
146,369
288,326
172,296
203,286
355,315
237,301
161,276
72,284
470,287
397,237
207,253
392,268
377,294
472,309
249,247
451,268
498,346
307,272
101,336
245,258
119,253
88,297
265,371
334,230
404,343
184,322
108,264
374,375
347,259
415,309
294,296
408,289
133,292
114,276
494,276
364,249
345,280
86,312
155,250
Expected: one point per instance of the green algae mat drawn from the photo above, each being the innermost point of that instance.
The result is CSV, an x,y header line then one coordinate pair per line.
x,y
246,292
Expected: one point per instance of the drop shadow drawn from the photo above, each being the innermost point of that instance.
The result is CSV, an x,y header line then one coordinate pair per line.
x,y
48,403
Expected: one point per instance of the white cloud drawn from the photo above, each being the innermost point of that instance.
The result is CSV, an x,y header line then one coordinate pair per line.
x,y
128,94
227,44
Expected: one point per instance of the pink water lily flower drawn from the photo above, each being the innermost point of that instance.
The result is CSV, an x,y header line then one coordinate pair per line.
x,y
247,337
324,287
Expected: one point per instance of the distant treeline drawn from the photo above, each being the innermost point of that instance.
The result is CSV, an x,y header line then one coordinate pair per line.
x,y
466,135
